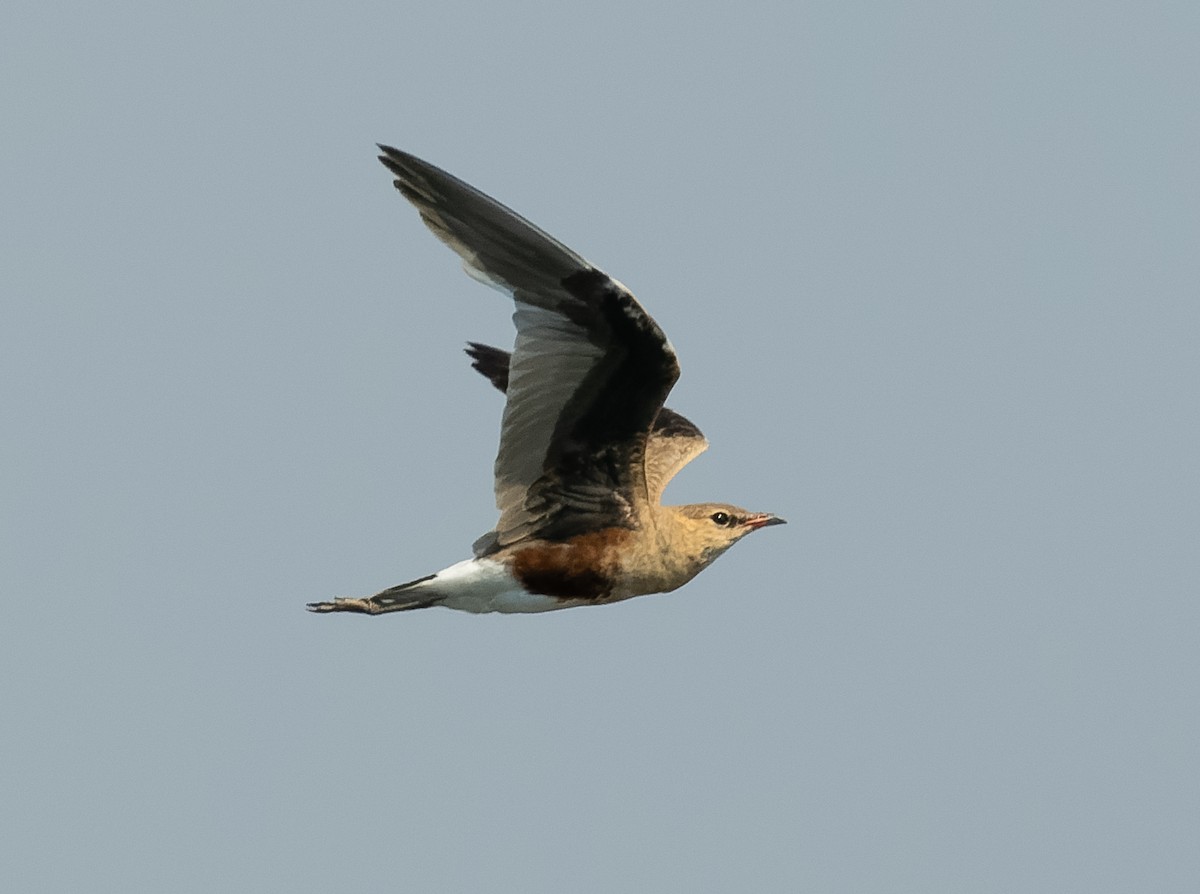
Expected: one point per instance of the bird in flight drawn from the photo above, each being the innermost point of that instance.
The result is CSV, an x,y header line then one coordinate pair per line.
x,y
586,445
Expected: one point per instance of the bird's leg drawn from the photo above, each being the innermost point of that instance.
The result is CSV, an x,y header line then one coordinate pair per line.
x,y
347,604
402,598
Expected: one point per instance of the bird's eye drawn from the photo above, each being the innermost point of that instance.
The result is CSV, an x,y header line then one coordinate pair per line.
x,y
721,518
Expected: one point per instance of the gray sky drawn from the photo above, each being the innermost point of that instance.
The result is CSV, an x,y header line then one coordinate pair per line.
x,y
931,272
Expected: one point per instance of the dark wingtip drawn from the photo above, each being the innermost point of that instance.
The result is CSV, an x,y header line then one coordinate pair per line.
x,y
492,363
394,160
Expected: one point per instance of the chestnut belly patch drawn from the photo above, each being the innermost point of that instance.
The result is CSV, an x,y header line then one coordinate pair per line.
x,y
581,568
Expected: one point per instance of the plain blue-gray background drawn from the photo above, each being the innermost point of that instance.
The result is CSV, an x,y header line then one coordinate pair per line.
x,y
931,270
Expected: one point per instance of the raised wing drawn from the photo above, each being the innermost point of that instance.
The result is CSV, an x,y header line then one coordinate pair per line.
x,y
588,375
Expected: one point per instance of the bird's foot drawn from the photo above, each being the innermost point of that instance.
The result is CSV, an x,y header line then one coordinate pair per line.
x,y
346,604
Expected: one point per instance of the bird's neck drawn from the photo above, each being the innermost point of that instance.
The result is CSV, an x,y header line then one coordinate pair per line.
x,y
663,559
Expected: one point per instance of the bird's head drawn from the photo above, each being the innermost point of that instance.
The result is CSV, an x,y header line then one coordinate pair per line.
x,y
708,529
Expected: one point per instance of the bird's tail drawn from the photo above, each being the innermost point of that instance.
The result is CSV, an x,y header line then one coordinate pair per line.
x,y
400,598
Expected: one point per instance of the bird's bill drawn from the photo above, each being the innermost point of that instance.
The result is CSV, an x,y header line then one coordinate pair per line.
x,y
764,520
